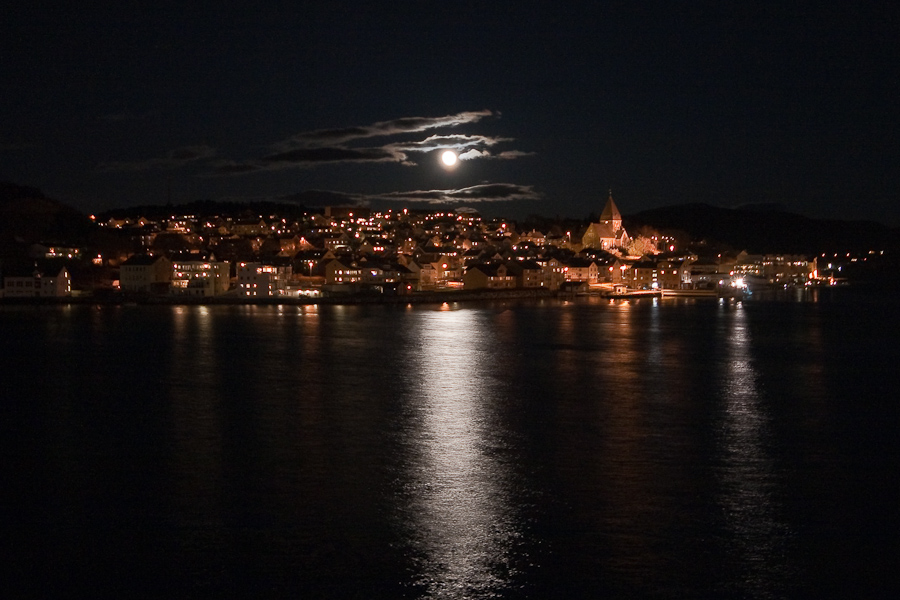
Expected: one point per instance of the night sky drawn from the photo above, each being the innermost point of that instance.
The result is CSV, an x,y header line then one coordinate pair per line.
x,y
549,104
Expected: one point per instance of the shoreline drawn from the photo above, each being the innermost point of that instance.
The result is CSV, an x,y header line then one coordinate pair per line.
x,y
432,297
416,298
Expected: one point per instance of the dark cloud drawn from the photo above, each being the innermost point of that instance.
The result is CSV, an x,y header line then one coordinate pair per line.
x,y
331,154
511,154
486,192
324,198
191,153
300,157
174,159
329,146
230,167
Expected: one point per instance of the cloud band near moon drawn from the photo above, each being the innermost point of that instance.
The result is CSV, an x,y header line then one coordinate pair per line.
x,y
402,143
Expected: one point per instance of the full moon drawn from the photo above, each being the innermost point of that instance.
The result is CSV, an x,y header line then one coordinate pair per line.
x,y
449,158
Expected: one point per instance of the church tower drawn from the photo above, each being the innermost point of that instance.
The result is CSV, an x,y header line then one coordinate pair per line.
x,y
611,214
608,233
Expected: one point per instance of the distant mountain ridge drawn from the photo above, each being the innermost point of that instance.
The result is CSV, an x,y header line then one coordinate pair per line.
x,y
765,229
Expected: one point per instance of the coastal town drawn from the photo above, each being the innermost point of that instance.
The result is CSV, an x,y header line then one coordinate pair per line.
x,y
346,252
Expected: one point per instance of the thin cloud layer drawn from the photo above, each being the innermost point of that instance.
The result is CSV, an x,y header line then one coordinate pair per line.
x,y
333,154
330,146
448,142
485,192
386,128
474,153
482,193
473,195
172,160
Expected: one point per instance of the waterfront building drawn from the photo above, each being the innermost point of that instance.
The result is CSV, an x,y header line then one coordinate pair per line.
x,y
775,269
145,273
36,281
260,280
488,276
664,274
554,272
581,269
611,269
341,272
200,277
528,273
714,272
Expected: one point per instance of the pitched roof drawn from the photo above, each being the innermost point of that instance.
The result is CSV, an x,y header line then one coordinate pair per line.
x,y
578,262
490,269
515,267
603,230
141,260
610,211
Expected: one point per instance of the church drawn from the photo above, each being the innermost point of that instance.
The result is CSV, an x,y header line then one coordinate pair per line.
x,y
608,233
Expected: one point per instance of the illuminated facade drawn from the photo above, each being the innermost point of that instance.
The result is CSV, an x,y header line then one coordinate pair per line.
x,y
663,275
144,273
553,271
582,269
338,272
712,273
528,273
492,276
260,280
200,278
608,233
775,269
47,282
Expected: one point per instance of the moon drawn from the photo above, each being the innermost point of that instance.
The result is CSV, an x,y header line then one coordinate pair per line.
x,y
449,158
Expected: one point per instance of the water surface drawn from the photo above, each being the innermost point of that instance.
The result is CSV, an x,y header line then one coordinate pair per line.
x,y
649,448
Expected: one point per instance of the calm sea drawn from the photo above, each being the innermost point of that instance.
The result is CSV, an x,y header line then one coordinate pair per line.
x,y
540,449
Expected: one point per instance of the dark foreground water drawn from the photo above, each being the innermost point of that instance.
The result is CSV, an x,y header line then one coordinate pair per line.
x,y
587,449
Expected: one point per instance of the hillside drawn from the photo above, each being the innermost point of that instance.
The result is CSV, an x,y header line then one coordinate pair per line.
x,y
764,229
28,216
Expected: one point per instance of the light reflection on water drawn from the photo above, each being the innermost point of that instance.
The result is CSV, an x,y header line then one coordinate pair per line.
x,y
197,455
462,521
749,480
583,449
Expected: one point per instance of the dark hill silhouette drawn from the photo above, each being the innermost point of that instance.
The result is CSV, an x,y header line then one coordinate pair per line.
x,y
28,216
206,208
765,229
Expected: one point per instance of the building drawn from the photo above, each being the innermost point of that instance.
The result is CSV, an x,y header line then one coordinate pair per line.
x,y
612,270
200,277
665,274
262,280
37,281
491,276
710,273
582,269
145,273
341,272
528,273
554,273
608,233
775,269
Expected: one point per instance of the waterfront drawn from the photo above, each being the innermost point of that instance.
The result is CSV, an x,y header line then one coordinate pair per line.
x,y
512,449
